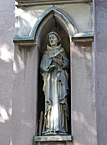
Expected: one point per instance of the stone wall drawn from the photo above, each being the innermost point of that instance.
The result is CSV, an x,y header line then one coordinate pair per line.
x,y
83,111
7,20
25,95
18,89
101,69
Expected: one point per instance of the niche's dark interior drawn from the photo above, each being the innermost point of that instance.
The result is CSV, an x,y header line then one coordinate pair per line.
x,y
52,25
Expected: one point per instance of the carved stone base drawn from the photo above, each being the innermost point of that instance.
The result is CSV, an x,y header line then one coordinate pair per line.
x,y
56,138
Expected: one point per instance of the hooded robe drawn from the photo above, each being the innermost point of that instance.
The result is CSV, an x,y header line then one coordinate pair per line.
x,y
53,69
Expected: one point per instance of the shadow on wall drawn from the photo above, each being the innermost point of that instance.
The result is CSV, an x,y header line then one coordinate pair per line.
x,y
87,130
23,63
25,88
83,112
78,117
6,57
6,88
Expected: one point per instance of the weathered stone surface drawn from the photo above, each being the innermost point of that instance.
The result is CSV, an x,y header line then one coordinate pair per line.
x,y
53,138
103,3
101,100
6,72
43,2
18,93
83,102
27,18
101,69
25,95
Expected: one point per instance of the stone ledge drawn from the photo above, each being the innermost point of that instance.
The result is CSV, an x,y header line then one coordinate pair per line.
x,y
47,2
83,37
56,138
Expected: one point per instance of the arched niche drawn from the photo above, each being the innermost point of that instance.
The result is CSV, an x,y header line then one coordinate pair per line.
x,y
58,21
52,20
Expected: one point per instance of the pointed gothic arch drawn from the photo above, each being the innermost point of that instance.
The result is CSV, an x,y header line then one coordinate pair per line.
x,y
54,20
49,19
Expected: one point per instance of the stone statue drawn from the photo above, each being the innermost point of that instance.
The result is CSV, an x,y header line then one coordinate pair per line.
x,y
53,67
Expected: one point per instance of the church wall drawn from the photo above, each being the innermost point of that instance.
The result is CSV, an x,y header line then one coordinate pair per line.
x,y
101,69
82,83
83,97
7,20
25,92
80,13
18,89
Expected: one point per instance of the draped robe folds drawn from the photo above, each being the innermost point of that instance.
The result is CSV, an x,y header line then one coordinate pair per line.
x,y
53,69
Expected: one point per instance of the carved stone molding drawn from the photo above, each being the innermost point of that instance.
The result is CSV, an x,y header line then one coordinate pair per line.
x,y
47,2
59,15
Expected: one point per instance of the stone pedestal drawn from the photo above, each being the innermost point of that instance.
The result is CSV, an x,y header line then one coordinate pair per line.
x,y
51,140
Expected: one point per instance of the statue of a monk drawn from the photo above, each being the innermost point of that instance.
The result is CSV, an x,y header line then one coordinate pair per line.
x,y
53,66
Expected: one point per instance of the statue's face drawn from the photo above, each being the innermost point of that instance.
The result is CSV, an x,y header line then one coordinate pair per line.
x,y
53,40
